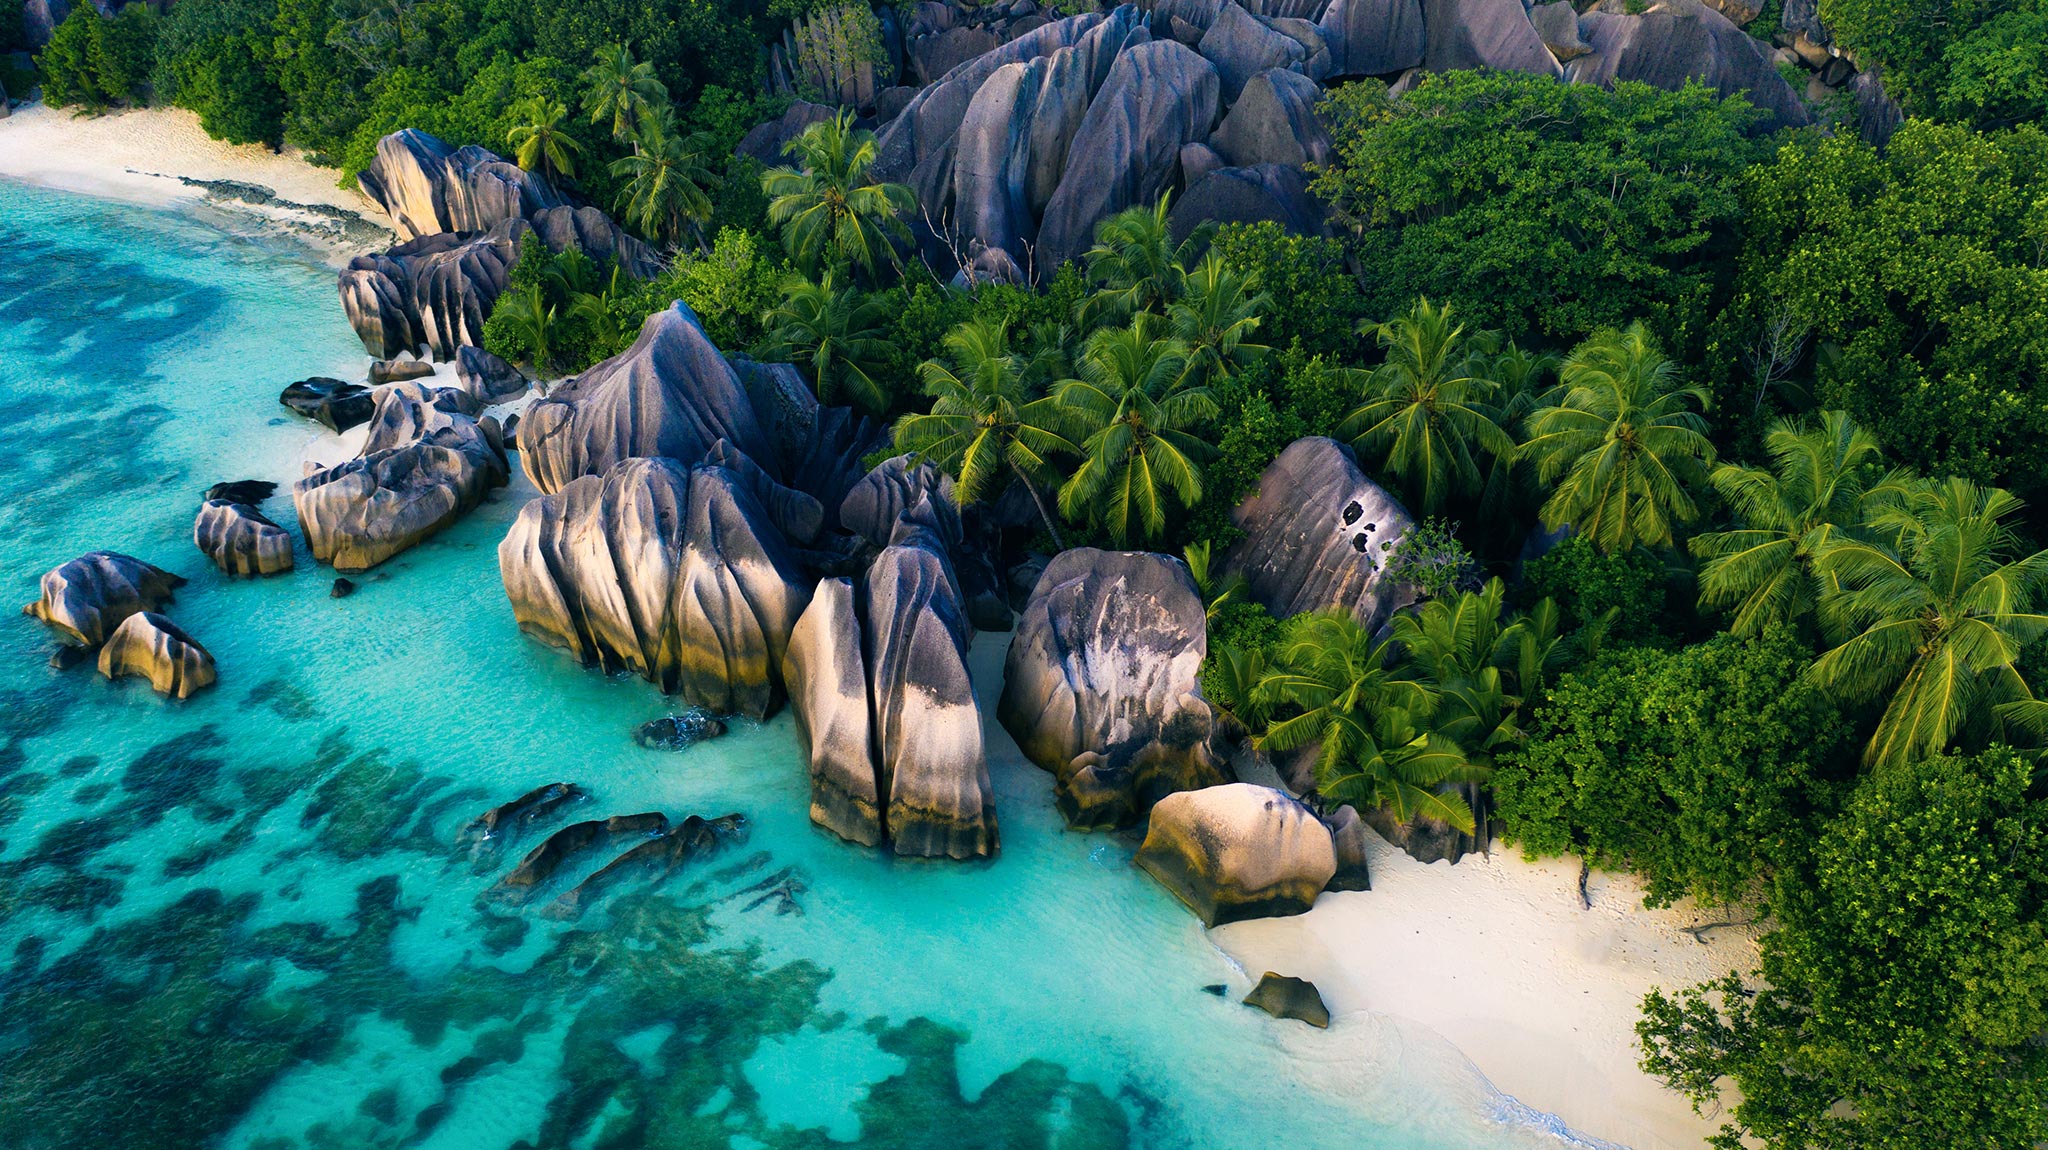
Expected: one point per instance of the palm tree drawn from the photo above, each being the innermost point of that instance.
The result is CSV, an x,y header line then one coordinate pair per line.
x,y
1521,375
1345,696
1132,407
1135,265
596,309
1215,318
1620,443
533,321
1217,592
620,90
989,417
1816,490
829,208
665,179
1427,411
540,142
839,333
1469,651
1936,622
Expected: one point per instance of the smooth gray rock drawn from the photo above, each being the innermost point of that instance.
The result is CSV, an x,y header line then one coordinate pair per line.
x,y
1373,37
399,370
39,18
1681,40
1558,24
150,646
1158,96
1241,47
241,540
1246,195
1196,161
1238,851
1317,536
1877,115
873,506
1273,122
423,465
430,294
1102,685
1484,34
486,377
677,575
1348,835
85,599
932,57
992,162
828,696
427,186
765,141
671,395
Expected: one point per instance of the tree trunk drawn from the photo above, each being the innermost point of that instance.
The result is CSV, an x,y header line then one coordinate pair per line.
x,y
1043,513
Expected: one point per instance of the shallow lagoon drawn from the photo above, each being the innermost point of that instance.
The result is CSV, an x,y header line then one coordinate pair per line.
x,y
248,920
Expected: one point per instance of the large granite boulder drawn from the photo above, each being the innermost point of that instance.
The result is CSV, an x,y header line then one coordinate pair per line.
x,y
337,403
1373,37
424,463
1680,40
1317,536
433,292
39,19
927,725
765,141
1484,34
828,695
1241,46
1103,684
151,646
931,57
487,378
872,507
1277,192
1159,96
1558,23
1238,851
426,186
241,540
671,394
1274,122
677,575
85,599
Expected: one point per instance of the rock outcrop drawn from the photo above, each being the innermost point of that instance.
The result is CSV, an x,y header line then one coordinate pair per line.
x,y
427,187
828,695
1238,851
873,506
1348,834
151,646
766,141
1680,40
487,378
1274,122
1274,192
1484,34
1241,47
1102,685
241,540
337,403
675,574
86,599
670,395
1318,535
1373,37
430,293
424,463
1284,996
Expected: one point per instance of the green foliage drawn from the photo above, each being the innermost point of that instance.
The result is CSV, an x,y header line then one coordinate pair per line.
x,y
1430,558
1997,75
1539,206
1324,305
215,58
663,181
1901,998
731,288
1249,431
1135,265
831,212
838,335
1428,417
561,313
95,63
1975,60
1918,270
1133,409
1587,583
1699,769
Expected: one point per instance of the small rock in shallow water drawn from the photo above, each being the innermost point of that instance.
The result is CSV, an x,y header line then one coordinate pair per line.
x,y
679,732
66,657
249,492
337,403
343,588
1285,997
1218,989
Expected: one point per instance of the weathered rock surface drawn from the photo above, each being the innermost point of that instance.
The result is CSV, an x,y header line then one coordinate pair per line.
x,y
486,377
1159,96
1284,996
1484,34
1877,115
1238,851
1241,47
1274,192
430,293
670,395
424,463
1373,37
1558,24
241,540
1318,534
338,404
765,141
247,491
542,862
85,599
679,732
1426,839
427,186
828,695
678,576
1274,122
927,725
931,57
1102,685
1348,834
873,506
399,370
1680,40
151,646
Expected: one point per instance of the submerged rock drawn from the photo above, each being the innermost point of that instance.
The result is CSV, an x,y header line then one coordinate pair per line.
x,y
828,695
149,645
1318,535
694,838
86,599
542,862
1283,996
1102,684
1238,851
241,540
423,464
679,732
338,404
342,589
525,808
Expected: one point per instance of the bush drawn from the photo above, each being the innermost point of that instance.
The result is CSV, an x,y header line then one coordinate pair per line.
x,y
1320,304
214,57
1587,584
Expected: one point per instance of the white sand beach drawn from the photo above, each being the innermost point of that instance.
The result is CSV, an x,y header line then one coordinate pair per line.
x,y
1498,956
161,156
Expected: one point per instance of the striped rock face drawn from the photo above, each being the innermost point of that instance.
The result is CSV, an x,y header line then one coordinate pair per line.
x,y
1238,851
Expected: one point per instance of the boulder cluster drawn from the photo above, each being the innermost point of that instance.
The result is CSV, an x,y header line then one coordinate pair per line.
x,y
108,602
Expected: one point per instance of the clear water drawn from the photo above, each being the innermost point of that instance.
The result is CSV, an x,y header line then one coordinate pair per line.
x,y
247,920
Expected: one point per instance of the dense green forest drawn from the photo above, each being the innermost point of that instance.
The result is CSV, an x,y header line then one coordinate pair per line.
x,y
1775,404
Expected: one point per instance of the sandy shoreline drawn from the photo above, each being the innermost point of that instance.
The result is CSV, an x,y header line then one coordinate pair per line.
x,y
160,157
1497,956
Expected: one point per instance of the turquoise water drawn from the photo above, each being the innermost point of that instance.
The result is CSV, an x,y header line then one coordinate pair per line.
x,y
249,920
